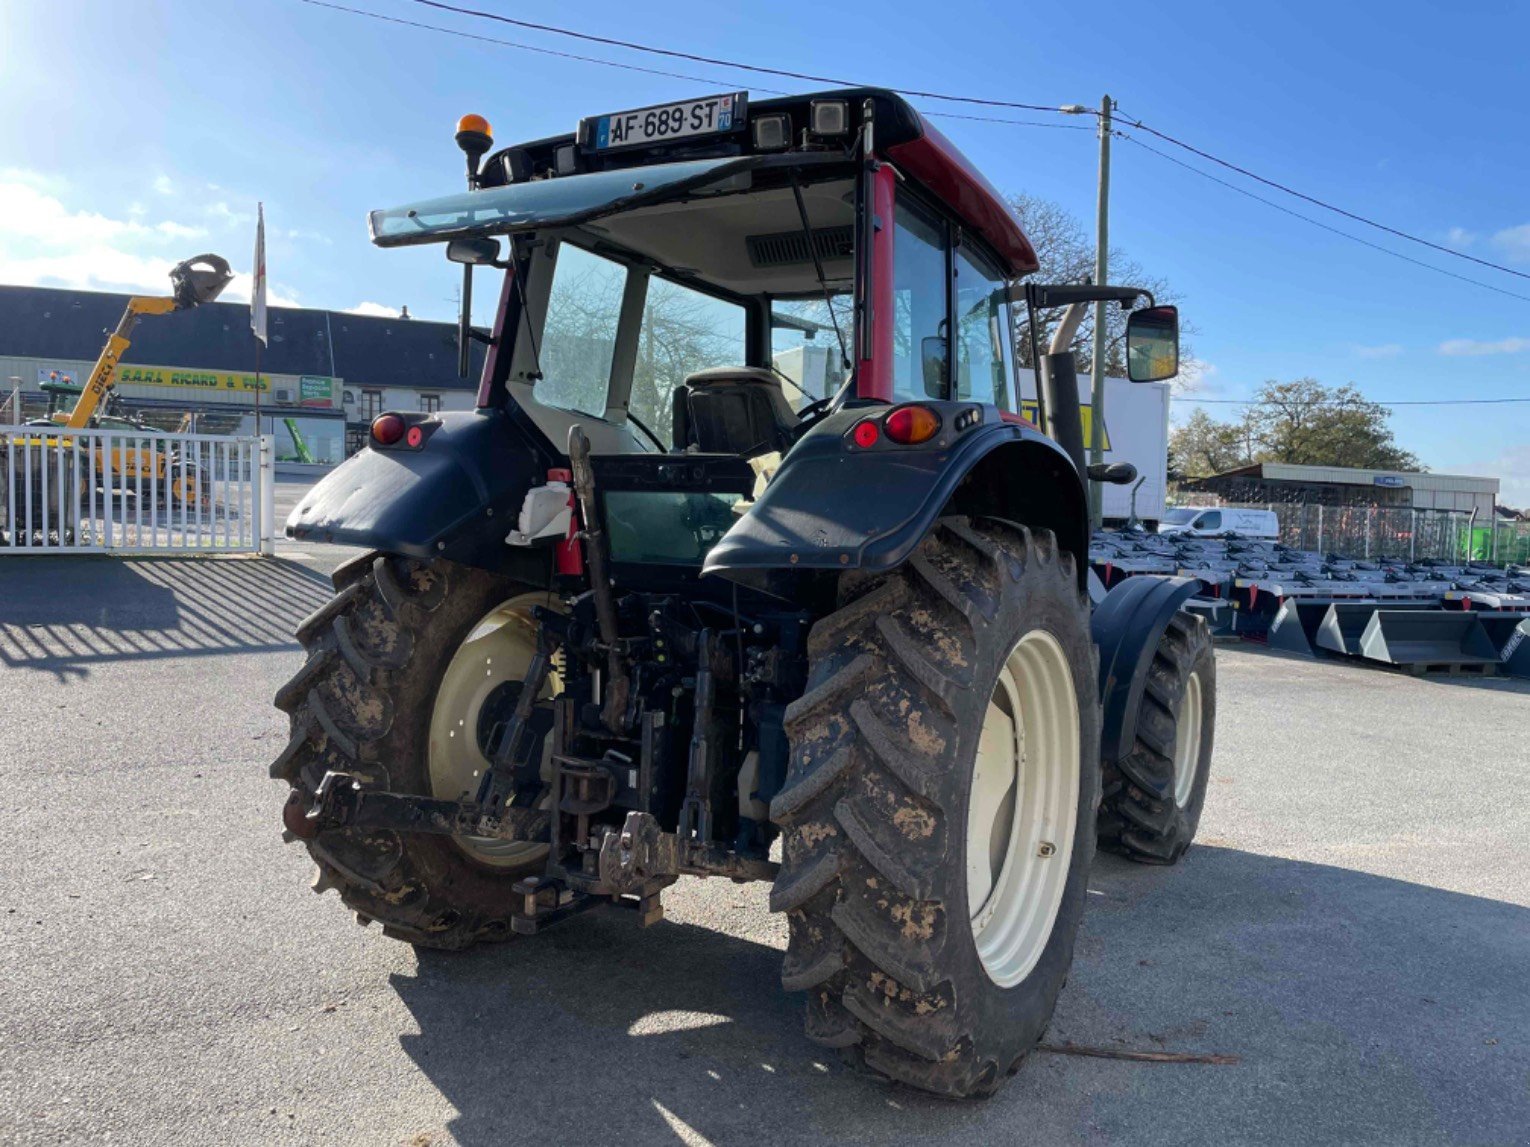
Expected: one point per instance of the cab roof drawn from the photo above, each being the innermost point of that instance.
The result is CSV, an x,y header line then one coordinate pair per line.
x,y
901,136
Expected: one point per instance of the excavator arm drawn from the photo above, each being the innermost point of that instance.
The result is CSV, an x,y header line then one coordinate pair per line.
x,y
196,281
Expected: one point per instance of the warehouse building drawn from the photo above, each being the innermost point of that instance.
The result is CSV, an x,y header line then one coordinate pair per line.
x,y
323,373
1341,486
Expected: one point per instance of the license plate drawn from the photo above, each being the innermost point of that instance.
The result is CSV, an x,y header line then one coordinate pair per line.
x,y
712,115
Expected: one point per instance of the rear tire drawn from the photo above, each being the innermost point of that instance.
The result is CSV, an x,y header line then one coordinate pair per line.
x,y
883,791
1153,797
362,703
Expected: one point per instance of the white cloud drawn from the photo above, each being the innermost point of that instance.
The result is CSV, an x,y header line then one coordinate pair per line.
x,y
1385,350
46,242
1462,347
163,185
1514,242
225,214
1460,237
377,309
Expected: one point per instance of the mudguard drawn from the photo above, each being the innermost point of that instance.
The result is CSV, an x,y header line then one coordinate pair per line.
x,y
456,495
1127,627
832,506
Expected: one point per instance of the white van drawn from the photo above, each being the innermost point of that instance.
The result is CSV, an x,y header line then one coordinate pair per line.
x,y
1203,522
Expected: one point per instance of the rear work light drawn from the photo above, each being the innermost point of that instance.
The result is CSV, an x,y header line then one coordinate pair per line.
x,y
772,132
387,429
911,425
830,117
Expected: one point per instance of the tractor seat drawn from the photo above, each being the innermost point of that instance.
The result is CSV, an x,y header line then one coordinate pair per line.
x,y
738,410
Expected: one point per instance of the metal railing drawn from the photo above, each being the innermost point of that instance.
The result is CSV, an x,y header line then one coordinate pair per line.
x,y
1392,531
134,491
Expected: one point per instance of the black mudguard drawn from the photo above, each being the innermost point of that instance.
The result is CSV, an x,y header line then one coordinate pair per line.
x,y
456,495
831,507
1127,627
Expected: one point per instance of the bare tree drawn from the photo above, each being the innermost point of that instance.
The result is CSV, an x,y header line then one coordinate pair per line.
x,y
1065,252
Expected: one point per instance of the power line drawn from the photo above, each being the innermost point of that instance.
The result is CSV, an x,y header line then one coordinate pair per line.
x,y
517,45
1319,223
714,61
1139,125
422,26
1350,402
1011,122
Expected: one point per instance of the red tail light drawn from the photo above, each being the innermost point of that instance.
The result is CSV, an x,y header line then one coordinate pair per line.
x,y
387,429
911,425
866,434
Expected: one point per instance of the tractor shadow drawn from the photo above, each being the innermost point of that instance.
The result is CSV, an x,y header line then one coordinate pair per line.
x,y
1363,1009
64,615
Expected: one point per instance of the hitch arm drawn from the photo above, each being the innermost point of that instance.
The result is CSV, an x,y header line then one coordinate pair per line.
x,y
340,802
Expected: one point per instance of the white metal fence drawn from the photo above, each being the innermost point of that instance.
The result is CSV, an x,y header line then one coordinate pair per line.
x,y
134,491
1393,531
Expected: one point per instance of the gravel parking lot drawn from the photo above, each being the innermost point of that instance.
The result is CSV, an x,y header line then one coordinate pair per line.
x,y
1354,927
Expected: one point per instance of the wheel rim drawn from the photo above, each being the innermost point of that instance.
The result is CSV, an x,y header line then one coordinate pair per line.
x,y
1023,808
496,650
1187,740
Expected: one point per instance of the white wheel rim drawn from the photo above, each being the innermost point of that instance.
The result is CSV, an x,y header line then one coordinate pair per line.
x,y
1187,740
1023,808
498,649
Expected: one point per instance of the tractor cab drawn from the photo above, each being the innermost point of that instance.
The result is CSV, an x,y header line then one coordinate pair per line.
x,y
710,287
725,280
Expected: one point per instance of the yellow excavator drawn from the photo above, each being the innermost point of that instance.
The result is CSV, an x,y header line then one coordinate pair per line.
x,y
194,281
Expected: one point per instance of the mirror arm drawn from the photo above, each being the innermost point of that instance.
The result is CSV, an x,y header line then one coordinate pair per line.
x,y
1066,294
465,324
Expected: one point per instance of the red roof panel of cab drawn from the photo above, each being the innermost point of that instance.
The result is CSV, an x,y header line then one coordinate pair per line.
x,y
936,162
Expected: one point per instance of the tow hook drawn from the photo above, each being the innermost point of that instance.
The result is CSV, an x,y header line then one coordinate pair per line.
x,y
334,803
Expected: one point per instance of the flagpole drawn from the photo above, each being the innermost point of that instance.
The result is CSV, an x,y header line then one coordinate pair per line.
x,y
258,301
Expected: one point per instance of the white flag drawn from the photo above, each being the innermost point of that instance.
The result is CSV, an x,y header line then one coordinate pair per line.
x,y
258,293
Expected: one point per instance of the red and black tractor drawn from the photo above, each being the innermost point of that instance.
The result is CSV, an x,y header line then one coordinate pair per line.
x,y
746,565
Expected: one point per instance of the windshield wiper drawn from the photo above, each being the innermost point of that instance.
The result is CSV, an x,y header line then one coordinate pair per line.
x,y
807,234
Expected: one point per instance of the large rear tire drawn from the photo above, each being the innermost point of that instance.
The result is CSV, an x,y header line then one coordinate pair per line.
x,y
939,809
1152,798
365,703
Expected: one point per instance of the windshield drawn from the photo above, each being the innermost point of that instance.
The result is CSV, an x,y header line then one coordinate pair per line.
x,y
804,347
1178,516
545,202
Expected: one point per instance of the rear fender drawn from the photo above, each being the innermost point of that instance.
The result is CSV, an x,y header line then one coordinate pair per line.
x,y
833,507
1127,627
454,496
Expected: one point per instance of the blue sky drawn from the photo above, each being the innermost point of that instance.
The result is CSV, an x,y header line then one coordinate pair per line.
x,y
137,133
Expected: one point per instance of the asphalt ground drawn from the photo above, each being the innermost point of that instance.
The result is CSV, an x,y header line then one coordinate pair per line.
x,y
1353,926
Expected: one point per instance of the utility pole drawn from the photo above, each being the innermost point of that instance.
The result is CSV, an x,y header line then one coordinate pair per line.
x,y
1097,366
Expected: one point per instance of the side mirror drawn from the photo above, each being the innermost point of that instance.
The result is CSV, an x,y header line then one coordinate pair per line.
x,y
932,354
480,252
1152,344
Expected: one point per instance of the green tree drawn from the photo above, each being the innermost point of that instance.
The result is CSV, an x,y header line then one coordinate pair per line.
x,y
1202,446
1301,423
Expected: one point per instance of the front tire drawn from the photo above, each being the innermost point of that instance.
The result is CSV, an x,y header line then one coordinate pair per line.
x,y
364,703
932,903
1153,796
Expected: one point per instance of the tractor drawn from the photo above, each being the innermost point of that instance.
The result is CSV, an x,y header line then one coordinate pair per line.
x,y
671,603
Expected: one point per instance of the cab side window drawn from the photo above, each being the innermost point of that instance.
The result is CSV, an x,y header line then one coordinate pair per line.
x,y
919,302
1209,521
984,362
